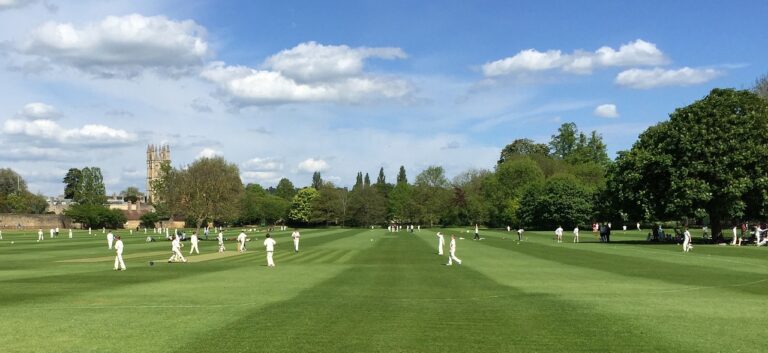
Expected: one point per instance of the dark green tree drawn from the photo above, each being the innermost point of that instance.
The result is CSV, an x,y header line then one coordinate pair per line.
x,y
71,181
561,201
90,189
401,178
523,147
317,180
285,189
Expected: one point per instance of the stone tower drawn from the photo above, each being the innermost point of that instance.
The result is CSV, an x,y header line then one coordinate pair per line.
x,y
156,156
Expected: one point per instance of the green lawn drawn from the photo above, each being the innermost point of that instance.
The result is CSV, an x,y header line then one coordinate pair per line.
x,y
366,290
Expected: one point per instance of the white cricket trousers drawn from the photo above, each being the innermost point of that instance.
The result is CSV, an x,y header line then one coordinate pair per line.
x,y
119,261
194,248
177,256
440,245
687,245
296,244
109,243
270,262
452,257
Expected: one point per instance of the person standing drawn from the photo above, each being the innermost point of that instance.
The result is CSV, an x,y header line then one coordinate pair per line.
x,y
51,232
638,226
735,235
221,241
119,264
57,232
440,243
576,234
110,240
70,233
40,235
758,233
520,234
269,244
477,233
509,229
194,241
241,241
176,249
452,252
559,234
295,235
608,233
687,240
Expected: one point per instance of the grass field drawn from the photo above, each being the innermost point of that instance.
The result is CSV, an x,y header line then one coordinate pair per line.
x,y
361,290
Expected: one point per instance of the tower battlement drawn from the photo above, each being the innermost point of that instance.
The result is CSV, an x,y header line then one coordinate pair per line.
x,y
156,156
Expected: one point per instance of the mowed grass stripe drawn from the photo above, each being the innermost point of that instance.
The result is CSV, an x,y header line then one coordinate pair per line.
x,y
399,298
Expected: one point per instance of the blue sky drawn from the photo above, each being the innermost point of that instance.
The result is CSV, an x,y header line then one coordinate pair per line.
x,y
286,88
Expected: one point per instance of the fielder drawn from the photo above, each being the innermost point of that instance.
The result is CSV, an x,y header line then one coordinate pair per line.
x,y
687,242
269,243
40,235
477,233
758,233
193,240
520,234
70,233
176,249
735,236
51,231
452,252
576,234
241,242
295,235
119,264
559,234
440,243
221,241
110,239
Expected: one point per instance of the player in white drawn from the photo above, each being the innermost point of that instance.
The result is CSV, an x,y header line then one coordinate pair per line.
x,y
477,233
193,240
559,234
509,229
576,234
440,243
758,234
295,235
110,239
176,249
70,233
51,232
735,235
638,226
241,241
269,243
452,252
119,264
40,234
687,240
221,241
520,234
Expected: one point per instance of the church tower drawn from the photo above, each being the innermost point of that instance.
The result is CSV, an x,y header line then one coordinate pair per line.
x,y
156,157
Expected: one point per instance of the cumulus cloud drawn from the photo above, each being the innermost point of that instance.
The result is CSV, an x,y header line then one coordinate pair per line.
x,y
262,177
31,153
312,165
209,153
309,72
15,4
263,164
35,111
120,46
51,131
637,53
606,111
657,77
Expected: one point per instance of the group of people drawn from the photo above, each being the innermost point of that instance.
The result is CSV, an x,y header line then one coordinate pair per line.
x,y
394,228
451,249
745,235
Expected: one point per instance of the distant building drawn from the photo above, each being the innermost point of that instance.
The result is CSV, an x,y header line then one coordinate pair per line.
x,y
156,157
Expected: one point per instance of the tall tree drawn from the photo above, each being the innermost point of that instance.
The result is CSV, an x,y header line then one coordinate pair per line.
x,y
326,208
708,156
564,142
317,181
561,201
71,180
401,178
381,180
90,189
367,207
523,147
301,206
358,181
367,181
285,189
761,86
431,194
11,182
209,189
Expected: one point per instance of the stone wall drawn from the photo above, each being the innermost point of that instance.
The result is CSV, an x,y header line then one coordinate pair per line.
x,y
34,221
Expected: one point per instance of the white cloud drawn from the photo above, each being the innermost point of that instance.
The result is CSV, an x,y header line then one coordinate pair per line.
x,y
34,111
14,4
309,72
30,153
209,153
312,165
50,131
263,164
310,61
120,46
657,77
635,53
606,111
262,177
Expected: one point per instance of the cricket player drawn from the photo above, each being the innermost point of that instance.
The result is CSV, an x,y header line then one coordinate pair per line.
x,y
477,233
269,243
40,234
221,241
51,232
110,240
176,249
509,229
559,234
57,232
452,252
576,234
70,233
119,264
687,241
194,241
520,234
735,235
758,233
295,235
241,241
440,243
